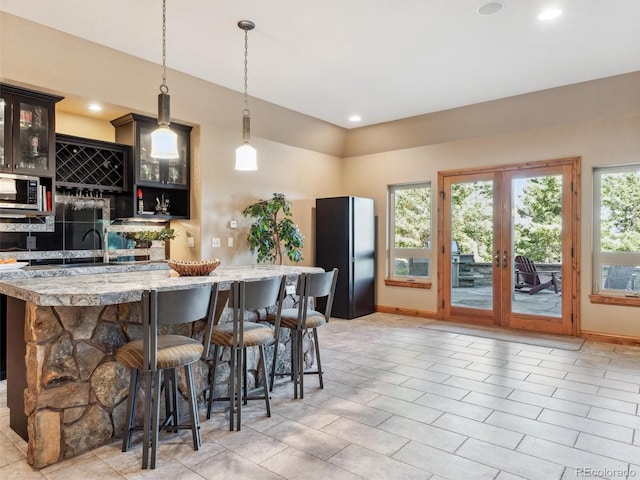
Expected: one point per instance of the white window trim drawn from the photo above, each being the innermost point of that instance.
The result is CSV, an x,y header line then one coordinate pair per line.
x,y
394,252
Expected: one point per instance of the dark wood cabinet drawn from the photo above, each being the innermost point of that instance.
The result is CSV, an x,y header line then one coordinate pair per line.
x,y
94,165
27,127
164,182
27,136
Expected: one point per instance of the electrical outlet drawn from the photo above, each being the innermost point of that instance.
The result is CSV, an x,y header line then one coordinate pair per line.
x,y
230,242
215,242
31,243
233,224
290,289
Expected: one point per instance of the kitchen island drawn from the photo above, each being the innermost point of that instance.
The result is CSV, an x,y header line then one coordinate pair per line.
x,y
65,391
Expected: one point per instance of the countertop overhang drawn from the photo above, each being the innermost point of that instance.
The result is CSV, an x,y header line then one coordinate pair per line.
x,y
105,286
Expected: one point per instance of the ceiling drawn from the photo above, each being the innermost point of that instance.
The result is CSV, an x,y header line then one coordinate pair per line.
x,y
381,59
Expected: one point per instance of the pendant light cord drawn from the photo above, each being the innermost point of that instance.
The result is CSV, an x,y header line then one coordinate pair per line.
x,y
246,112
163,87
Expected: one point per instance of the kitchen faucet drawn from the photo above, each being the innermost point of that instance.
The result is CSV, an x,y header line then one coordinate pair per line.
x,y
96,232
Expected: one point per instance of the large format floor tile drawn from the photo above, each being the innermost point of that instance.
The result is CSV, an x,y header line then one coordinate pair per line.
x,y
404,402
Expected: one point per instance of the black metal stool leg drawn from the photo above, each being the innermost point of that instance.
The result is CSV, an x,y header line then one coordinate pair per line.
x,y
213,381
244,377
232,386
239,370
146,424
273,366
317,346
193,408
301,360
131,410
267,400
155,416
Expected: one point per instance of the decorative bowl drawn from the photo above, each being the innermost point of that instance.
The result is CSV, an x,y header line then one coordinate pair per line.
x,y
194,269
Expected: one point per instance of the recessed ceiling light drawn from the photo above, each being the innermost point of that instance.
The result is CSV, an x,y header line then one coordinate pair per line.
x,y
94,107
355,118
550,14
490,8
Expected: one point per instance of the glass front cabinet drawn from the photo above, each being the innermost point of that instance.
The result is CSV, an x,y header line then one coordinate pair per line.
x,y
27,123
160,187
28,148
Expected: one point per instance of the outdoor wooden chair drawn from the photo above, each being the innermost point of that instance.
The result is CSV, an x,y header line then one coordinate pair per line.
x,y
529,280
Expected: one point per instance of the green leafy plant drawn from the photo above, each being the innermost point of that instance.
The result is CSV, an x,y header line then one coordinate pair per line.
x,y
272,236
149,235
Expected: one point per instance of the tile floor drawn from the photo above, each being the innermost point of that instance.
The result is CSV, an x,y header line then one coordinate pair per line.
x,y
403,402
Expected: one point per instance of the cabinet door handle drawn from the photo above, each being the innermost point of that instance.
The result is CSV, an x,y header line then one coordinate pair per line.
x,y
504,259
497,258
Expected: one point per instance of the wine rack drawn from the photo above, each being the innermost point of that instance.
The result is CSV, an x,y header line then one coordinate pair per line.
x,y
91,164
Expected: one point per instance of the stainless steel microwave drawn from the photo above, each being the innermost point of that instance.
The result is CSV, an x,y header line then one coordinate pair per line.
x,y
19,191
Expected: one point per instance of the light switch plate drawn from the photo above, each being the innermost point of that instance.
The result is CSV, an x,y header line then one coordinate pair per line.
x,y
191,242
230,242
215,242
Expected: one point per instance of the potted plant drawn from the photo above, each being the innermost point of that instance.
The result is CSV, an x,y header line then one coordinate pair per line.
x,y
156,235
273,233
157,239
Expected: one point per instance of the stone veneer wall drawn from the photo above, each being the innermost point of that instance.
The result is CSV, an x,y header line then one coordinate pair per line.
x,y
77,391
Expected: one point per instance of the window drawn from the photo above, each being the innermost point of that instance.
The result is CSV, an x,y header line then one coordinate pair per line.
x,y
409,231
616,230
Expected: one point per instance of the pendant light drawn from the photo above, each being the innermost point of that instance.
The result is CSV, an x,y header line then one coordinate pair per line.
x,y
245,153
164,142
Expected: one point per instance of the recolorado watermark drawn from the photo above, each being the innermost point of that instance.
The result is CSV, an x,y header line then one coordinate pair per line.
x,y
606,472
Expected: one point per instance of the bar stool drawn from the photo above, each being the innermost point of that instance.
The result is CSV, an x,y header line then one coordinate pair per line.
x,y
155,357
238,335
298,320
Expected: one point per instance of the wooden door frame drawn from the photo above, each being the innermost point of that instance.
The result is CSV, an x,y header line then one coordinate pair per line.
x,y
485,317
571,251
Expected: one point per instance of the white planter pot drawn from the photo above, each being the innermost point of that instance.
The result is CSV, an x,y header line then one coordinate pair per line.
x,y
156,251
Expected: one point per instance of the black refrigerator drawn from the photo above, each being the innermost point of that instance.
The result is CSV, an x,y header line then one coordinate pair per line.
x,y
346,240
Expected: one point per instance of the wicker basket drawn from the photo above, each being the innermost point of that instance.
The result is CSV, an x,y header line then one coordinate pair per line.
x,y
194,269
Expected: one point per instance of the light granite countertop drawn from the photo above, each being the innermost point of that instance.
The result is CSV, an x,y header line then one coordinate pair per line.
x,y
108,285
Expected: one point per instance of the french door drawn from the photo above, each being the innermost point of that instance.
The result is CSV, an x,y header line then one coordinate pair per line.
x,y
509,246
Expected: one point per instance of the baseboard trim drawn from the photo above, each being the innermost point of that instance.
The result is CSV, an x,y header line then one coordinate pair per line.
x,y
628,340
407,311
610,338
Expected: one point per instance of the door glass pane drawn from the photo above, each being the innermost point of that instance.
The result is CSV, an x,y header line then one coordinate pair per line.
x,y
34,137
472,245
3,104
173,171
149,167
537,245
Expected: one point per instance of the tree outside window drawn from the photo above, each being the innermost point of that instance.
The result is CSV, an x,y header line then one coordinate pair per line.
x,y
410,230
616,229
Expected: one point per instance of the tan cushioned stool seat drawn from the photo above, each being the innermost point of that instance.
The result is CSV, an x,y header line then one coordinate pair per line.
x,y
173,351
289,318
254,334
